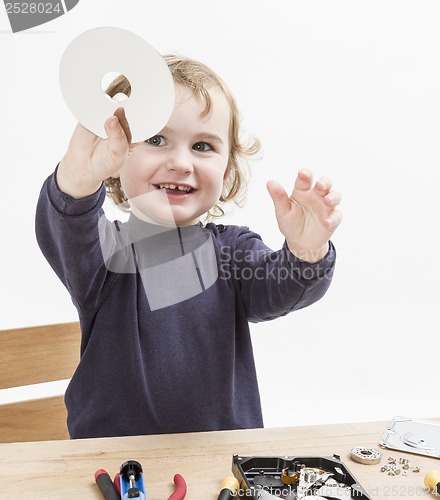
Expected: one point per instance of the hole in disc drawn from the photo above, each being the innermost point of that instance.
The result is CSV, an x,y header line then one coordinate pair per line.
x,y
116,86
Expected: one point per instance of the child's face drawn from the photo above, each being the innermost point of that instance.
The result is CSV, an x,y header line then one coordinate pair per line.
x,y
176,176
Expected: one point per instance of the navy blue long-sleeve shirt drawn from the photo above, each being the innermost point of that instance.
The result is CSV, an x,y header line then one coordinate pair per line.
x,y
165,315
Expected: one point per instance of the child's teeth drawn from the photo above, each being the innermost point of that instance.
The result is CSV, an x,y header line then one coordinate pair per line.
x,y
173,186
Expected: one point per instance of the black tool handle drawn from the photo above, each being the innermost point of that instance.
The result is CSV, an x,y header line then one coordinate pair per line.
x,y
225,494
105,484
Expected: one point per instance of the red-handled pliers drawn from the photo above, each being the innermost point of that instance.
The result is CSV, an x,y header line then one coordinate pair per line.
x,y
180,491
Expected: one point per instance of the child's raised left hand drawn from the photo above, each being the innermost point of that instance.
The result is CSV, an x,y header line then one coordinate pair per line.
x,y
307,218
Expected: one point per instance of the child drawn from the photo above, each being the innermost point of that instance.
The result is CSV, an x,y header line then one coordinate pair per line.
x,y
163,300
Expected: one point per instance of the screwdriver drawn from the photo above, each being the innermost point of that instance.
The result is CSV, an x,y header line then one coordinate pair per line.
x,y
432,481
229,488
131,480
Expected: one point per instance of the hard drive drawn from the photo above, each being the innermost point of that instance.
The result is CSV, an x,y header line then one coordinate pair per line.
x,y
296,477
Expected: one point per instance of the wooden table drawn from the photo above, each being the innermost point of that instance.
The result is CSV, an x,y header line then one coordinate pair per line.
x,y
64,470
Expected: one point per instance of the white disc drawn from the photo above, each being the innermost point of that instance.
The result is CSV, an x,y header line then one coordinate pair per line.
x,y
100,51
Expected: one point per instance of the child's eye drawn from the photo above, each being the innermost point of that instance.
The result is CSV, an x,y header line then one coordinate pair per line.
x,y
202,146
156,140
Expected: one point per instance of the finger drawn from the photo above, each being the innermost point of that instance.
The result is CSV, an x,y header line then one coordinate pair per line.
x,y
117,143
323,186
333,220
120,114
304,180
279,197
332,199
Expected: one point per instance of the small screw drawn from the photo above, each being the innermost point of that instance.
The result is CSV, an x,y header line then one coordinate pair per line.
x,y
416,469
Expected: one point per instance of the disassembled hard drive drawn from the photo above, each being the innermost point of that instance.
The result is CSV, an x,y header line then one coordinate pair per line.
x,y
295,477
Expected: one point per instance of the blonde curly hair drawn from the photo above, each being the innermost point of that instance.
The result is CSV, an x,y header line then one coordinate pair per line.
x,y
198,78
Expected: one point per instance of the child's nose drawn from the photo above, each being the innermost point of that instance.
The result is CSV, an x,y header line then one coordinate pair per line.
x,y
180,161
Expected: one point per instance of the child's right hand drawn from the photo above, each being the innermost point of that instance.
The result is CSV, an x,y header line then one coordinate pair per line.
x,y
90,160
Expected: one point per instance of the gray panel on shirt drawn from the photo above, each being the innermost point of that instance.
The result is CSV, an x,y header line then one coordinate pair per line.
x,y
180,279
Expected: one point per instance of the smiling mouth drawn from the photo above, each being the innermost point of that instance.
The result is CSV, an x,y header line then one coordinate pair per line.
x,y
175,188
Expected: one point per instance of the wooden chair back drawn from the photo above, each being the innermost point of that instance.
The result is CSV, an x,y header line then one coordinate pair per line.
x,y
29,356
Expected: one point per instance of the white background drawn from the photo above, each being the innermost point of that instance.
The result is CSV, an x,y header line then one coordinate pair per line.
x,y
347,88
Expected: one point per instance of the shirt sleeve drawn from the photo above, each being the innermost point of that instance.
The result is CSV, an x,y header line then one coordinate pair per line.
x,y
67,231
274,283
